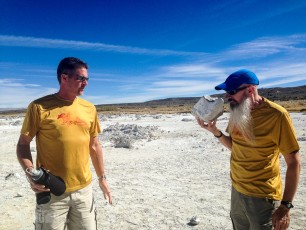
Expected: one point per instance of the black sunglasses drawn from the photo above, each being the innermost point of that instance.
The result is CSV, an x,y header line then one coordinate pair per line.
x,y
233,92
78,78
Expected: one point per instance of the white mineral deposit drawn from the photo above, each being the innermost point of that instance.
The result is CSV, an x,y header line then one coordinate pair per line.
x,y
162,169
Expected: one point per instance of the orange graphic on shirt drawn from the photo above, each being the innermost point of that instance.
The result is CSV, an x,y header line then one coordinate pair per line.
x,y
68,120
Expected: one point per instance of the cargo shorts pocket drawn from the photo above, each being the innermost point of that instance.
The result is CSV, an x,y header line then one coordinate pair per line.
x,y
39,219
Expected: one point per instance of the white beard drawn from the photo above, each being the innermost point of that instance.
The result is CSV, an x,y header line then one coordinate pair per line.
x,y
240,119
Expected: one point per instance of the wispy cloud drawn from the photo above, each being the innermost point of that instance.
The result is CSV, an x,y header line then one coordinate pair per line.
x,y
16,94
282,73
19,41
179,88
277,61
266,46
193,69
168,89
273,59
15,83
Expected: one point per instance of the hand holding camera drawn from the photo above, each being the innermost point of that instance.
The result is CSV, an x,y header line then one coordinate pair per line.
x,y
55,184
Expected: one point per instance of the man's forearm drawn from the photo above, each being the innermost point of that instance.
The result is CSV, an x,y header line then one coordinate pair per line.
x,y
24,156
225,140
291,183
96,155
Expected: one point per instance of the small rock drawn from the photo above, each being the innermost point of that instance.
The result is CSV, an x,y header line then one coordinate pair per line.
x,y
19,195
9,175
194,221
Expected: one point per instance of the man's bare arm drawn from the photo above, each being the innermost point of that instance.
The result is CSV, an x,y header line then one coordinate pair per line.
x,y
293,162
96,155
25,159
281,217
23,152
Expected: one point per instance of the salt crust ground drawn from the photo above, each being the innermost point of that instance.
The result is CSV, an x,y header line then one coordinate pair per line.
x,y
177,171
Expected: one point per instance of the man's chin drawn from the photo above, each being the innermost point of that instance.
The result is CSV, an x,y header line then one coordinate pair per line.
x,y
233,104
81,92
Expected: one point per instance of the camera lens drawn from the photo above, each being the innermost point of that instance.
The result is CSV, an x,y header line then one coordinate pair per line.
x,y
43,197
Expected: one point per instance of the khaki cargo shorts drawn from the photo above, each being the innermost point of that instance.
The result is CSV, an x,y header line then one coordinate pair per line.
x,y
72,210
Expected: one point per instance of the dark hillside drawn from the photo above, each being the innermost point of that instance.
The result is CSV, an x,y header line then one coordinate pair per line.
x,y
273,94
292,98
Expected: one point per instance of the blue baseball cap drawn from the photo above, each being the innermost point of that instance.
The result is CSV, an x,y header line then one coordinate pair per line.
x,y
238,78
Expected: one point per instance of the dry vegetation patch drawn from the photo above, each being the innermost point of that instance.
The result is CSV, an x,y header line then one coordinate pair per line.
x,y
291,106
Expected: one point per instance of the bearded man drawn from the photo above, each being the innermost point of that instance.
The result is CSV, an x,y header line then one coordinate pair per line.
x,y
259,130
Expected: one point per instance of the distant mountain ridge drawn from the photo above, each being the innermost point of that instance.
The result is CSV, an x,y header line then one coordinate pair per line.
x,y
297,93
273,94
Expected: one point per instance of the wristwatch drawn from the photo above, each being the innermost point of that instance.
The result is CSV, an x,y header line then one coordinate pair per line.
x,y
102,177
288,204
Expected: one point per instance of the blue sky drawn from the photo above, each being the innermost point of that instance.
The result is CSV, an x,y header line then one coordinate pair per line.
x,y
146,50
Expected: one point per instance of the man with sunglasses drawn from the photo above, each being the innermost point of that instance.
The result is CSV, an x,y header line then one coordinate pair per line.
x,y
66,128
259,130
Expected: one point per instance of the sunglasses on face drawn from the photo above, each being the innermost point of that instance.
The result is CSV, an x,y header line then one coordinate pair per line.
x,y
78,77
82,78
233,92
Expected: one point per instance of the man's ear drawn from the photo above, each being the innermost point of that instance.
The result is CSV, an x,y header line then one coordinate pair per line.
x,y
251,89
64,77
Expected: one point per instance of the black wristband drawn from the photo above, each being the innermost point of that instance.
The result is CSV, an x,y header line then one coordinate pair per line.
x,y
288,204
221,134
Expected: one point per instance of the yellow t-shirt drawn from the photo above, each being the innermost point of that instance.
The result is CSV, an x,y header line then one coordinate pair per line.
x,y
63,130
255,166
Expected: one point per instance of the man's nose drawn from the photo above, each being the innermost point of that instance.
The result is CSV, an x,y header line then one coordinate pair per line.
x,y
227,95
